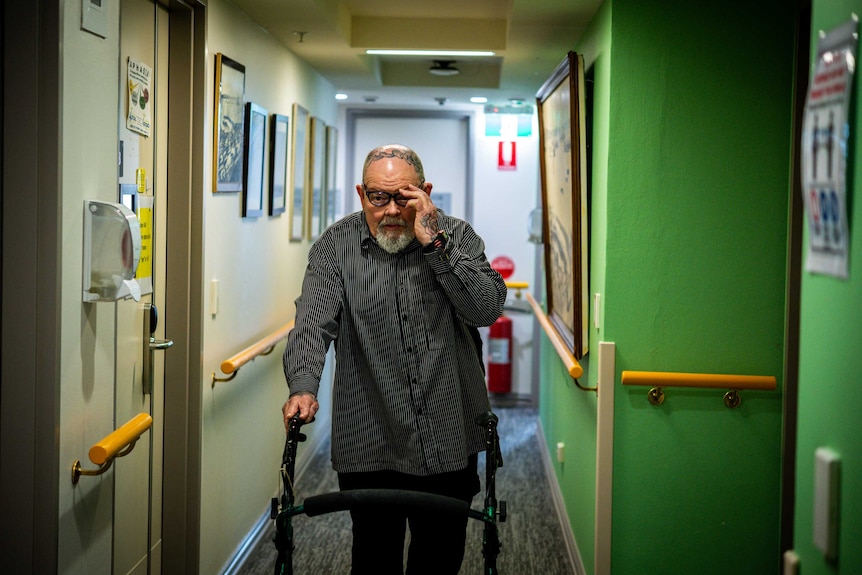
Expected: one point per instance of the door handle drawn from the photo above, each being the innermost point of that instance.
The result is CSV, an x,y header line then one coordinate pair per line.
x,y
160,343
151,344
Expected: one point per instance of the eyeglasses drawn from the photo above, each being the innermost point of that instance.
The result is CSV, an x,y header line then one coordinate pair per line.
x,y
381,199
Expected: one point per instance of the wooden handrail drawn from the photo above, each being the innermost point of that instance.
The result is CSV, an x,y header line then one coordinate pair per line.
x,y
118,443
572,366
265,346
707,380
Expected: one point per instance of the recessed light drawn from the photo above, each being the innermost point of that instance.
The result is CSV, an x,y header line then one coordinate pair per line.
x,y
341,96
444,68
478,99
450,53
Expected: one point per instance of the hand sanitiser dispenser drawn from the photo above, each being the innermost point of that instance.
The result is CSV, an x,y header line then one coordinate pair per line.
x,y
112,249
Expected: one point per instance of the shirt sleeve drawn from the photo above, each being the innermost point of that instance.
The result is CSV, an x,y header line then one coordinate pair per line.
x,y
475,289
317,310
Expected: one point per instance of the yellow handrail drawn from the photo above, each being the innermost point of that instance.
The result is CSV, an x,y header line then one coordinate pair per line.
x,y
118,443
265,346
574,368
517,285
733,383
710,380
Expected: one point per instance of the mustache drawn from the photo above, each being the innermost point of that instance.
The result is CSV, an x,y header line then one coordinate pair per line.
x,y
393,221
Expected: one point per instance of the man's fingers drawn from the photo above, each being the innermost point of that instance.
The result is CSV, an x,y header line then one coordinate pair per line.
x,y
303,406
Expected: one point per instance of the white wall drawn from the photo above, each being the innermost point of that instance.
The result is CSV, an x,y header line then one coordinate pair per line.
x,y
260,274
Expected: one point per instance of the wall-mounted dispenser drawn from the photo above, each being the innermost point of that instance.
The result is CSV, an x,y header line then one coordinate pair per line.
x,y
112,249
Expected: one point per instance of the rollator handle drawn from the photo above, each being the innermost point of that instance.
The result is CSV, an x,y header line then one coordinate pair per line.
x,y
486,418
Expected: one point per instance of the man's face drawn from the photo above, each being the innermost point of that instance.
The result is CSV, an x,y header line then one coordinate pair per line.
x,y
391,224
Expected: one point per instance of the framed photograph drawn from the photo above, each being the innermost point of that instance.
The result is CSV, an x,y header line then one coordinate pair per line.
x,y
565,226
279,159
331,197
299,170
254,154
228,125
318,176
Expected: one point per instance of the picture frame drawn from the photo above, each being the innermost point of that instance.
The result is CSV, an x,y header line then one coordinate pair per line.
x,y
565,226
318,177
228,125
299,171
332,196
279,160
254,162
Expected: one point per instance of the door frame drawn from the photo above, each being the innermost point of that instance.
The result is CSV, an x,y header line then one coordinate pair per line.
x,y
31,231
183,390
795,215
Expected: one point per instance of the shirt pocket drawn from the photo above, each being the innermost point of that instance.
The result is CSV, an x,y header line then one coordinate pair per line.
x,y
438,318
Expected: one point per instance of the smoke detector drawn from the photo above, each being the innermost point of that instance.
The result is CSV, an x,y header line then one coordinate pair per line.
x,y
444,68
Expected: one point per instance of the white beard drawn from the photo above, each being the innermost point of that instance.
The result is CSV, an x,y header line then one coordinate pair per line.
x,y
394,242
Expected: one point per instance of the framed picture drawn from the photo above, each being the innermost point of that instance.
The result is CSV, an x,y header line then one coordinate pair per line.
x,y
331,199
318,176
279,158
299,169
565,226
228,125
254,150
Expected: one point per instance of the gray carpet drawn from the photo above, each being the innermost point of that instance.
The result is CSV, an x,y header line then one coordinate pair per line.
x,y
532,542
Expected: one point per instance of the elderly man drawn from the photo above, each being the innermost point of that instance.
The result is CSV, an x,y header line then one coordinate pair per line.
x,y
400,289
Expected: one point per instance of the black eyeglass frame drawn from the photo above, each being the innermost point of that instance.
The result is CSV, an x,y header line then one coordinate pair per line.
x,y
399,199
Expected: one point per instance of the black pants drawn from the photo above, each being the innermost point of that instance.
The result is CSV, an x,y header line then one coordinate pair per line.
x,y
436,540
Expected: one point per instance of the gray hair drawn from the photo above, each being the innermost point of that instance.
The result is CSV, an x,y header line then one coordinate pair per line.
x,y
395,151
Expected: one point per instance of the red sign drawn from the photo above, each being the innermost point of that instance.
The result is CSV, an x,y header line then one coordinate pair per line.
x,y
507,157
504,266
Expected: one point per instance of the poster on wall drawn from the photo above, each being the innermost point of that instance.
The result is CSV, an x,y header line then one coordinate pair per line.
x,y
144,272
140,91
825,133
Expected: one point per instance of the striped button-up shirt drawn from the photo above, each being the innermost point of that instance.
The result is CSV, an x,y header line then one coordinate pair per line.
x,y
409,381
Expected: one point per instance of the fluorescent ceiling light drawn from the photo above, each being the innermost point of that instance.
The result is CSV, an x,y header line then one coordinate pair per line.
x,y
428,53
341,96
478,99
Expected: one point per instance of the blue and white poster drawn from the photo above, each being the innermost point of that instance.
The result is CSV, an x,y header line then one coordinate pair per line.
x,y
825,133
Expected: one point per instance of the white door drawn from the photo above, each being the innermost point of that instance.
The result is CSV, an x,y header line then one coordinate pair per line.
x,y
442,144
140,372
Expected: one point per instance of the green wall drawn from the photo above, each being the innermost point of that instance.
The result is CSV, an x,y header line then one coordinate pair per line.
x,y
690,199
830,396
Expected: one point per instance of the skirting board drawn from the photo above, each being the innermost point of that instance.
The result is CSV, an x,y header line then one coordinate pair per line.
x,y
559,505
259,530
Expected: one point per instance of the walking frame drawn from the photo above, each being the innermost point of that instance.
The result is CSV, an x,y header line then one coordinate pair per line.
x,y
285,508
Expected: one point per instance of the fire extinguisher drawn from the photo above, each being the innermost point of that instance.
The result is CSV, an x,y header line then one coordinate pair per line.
x,y
500,356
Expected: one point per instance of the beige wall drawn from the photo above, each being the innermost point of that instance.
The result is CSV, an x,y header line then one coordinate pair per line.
x,y
259,274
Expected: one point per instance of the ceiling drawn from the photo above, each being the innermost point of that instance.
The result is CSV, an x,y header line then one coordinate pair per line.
x,y
529,39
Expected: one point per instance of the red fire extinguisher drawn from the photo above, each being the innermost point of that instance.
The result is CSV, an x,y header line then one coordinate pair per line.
x,y
500,356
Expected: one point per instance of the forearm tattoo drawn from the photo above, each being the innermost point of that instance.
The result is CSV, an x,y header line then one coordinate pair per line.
x,y
429,223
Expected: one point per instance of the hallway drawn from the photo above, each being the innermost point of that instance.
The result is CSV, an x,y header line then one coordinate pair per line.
x,y
532,540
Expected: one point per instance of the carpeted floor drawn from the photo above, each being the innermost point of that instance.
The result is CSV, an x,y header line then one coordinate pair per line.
x,y
531,536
